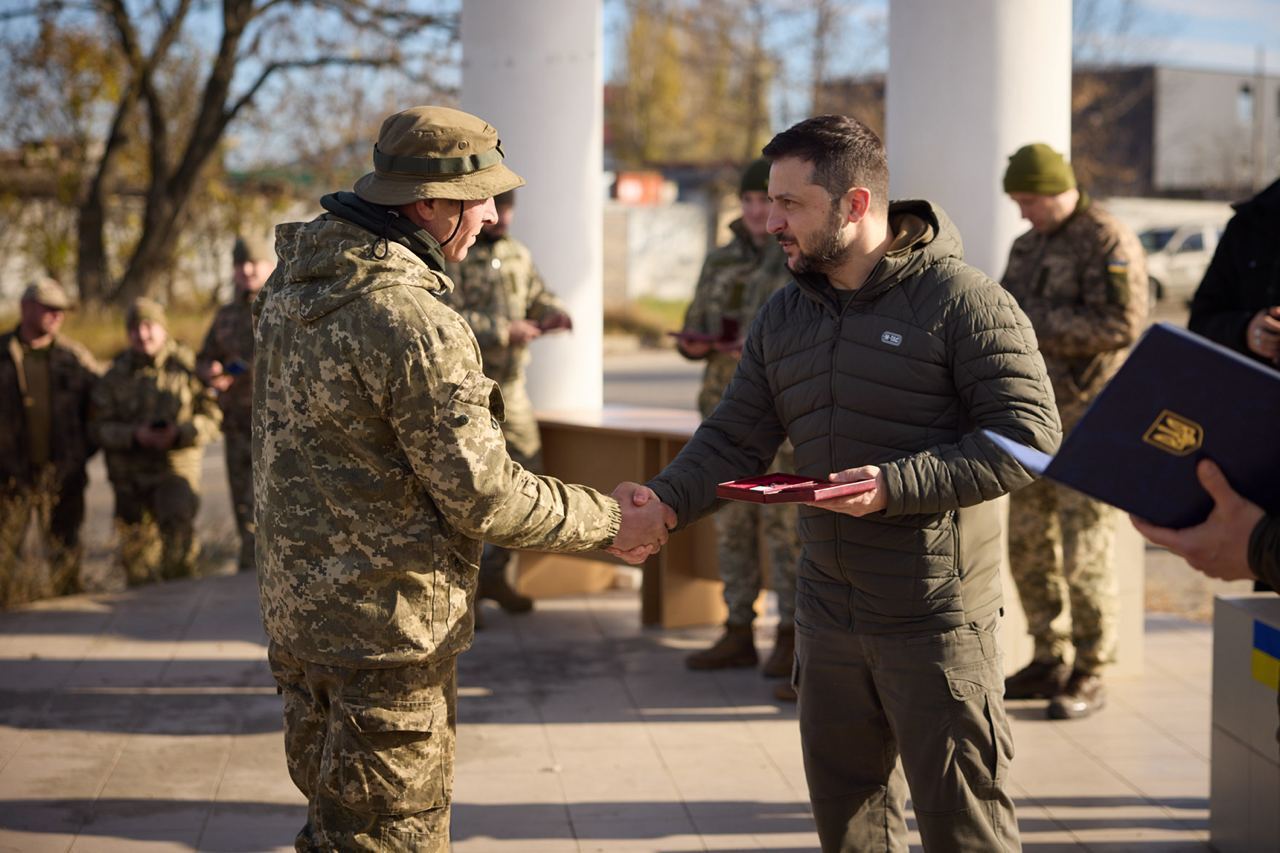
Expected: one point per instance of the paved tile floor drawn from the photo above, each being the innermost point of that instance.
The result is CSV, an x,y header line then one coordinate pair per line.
x,y
146,720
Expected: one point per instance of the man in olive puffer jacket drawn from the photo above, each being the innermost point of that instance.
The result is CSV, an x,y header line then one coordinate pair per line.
x,y
884,360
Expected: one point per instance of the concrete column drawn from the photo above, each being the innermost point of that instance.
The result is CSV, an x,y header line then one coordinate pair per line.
x,y
970,83
534,71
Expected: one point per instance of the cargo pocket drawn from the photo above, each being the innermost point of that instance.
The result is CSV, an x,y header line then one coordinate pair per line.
x,y
983,742
389,759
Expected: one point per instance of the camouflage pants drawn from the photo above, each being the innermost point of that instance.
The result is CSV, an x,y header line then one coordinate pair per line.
x,y
1059,551
239,450
524,445
58,515
372,750
155,522
740,528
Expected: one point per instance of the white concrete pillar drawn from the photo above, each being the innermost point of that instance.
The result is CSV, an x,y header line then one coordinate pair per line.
x,y
535,72
970,83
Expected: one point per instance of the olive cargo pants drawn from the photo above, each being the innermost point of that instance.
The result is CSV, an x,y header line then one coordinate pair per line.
x,y
372,750
935,700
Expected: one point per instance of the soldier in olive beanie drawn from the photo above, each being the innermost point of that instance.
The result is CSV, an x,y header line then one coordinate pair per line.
x,y
755,178
1038,169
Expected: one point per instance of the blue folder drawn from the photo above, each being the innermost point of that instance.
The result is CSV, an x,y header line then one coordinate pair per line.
x,y
1177,399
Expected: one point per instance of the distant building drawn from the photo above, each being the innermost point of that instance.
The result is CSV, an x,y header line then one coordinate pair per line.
x,y
1147,130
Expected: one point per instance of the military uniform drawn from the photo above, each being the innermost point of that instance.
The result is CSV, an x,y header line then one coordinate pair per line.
x,y
230,341
1084,287
736,280
379,466
157,491
44,445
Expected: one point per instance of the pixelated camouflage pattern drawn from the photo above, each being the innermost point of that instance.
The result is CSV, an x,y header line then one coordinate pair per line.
x,y
229,339
57,510
1084,288
157,492
372,750
1060,552
495,284
735,282
378,461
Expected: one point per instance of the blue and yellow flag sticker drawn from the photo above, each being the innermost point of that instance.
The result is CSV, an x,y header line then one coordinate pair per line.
x,y
1266,655
1117,265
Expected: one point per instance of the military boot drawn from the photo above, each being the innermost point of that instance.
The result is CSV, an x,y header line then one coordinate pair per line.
x,y
783,655
736,647
1084,694
1037,680
496,588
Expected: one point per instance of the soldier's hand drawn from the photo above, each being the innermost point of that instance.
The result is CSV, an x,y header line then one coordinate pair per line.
x,y
645,523
693,349
1218,546
863,503
556,322
1263,334
214,376
523,331
166,436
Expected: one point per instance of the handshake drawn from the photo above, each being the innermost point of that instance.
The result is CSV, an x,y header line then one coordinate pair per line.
x,y
646,522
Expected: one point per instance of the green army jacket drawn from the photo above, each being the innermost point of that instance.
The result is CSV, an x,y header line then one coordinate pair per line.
x,y
736,280
495,284
378,462
1084,288
139,390
73,373
230,340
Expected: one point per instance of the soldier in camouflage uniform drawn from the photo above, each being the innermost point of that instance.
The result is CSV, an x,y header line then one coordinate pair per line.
x,y
1080,276
501,295
45,383
735,282
379,466
224,363
152,416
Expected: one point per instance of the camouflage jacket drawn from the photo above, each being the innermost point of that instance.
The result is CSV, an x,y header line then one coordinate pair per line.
x,y
230,340
496,284
1084,288
736,280
378,462
73,373
139,390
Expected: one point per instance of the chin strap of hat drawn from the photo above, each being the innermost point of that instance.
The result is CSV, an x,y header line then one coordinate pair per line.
x,y
461,208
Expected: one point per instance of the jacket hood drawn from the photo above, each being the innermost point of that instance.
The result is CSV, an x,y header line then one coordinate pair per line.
x,y
923,235
328,262
1267,201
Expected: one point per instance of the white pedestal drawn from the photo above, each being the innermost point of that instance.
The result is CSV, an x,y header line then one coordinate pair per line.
x,y
1244,785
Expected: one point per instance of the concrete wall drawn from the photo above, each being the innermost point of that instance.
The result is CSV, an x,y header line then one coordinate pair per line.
x,y
653,251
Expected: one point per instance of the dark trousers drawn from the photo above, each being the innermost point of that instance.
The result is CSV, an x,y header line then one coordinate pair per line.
x,y
933,701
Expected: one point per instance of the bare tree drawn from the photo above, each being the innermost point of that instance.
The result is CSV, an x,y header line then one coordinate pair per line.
x,y
192,69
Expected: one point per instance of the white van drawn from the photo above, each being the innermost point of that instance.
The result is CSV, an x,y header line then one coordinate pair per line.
x,y
1177,257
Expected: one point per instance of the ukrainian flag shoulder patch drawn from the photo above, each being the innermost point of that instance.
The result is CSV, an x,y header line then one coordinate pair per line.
x,y
1266,655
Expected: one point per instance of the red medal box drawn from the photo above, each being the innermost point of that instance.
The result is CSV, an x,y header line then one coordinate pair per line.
x,y
788,488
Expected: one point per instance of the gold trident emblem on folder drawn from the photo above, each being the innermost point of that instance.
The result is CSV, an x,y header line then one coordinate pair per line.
x,y
1174,434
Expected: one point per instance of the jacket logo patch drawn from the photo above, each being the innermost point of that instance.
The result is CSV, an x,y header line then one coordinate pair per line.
x,y
893,339
1174,434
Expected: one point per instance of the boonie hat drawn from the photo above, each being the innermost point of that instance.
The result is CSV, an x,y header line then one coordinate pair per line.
x,y
1040,170
143,308
251,247
47,292
436,152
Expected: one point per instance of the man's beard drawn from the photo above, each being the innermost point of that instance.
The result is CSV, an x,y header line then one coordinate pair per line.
x,y
829,252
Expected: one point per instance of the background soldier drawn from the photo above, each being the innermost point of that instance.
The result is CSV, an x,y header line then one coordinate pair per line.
x,y
500,294
379,467
1080,275
736,280
152,415
45,385
225,363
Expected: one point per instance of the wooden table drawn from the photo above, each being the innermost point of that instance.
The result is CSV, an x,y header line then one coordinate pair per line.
x,y
600,448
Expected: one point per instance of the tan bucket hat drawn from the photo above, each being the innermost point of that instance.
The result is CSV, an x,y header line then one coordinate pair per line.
x,y
47,292
436,152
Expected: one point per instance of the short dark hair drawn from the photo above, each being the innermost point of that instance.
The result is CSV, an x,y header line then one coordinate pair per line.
x,y
844,153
